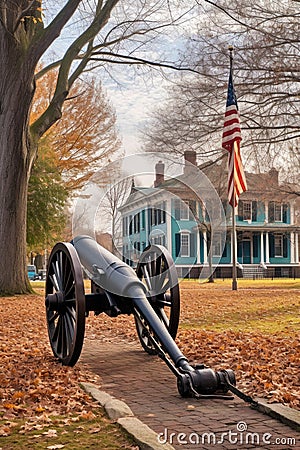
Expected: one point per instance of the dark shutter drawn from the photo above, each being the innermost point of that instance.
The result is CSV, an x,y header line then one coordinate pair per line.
x,y
224,254
272,245
255,245
177,244
177,209
192,204
254,211
285,208
285,246
271,211
130,224
240,249
192,244
240,210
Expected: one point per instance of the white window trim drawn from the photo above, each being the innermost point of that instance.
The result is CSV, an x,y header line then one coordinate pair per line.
x,y
279,236
281,212
250,213
188,234
184,210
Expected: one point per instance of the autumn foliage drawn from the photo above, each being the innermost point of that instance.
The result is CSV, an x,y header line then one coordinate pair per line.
x,y
85,138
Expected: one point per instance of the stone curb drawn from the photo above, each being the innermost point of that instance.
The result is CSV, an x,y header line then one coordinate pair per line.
x,y
119,411
286,415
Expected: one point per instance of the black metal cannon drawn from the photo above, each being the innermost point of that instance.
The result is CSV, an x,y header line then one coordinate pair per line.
x,y
151,294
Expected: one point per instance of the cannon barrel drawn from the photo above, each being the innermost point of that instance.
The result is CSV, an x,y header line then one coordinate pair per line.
x,y
105,269
116,277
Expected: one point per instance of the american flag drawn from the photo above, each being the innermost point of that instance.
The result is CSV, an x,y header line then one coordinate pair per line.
x,y
231,141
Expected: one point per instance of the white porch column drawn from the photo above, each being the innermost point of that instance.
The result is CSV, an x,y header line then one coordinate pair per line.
x,y
262,256
205,247
292,209
293,247
297,247
266,211
198,248
267,248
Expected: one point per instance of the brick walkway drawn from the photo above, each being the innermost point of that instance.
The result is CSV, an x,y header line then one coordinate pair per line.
x,y
149,388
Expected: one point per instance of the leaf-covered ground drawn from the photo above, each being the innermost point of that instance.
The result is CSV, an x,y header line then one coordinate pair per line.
x,y
254,331
41,402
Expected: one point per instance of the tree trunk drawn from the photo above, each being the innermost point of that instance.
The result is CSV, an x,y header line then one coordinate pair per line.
x,y
16,92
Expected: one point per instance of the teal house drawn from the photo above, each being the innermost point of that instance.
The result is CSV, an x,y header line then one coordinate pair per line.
x,y
267,225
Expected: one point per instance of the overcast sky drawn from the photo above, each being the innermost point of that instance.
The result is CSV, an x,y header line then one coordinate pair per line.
x,y
132,94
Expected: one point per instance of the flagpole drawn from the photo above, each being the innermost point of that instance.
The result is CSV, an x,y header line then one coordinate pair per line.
x,y
234,271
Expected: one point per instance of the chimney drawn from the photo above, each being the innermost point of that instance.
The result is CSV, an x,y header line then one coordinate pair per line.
x,y
273,173
159,173
190,158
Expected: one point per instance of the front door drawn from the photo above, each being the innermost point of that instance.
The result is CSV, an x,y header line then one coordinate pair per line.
x,y
246,248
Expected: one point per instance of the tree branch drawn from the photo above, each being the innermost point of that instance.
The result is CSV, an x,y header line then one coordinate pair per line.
x,y
126,59
53,30
53,112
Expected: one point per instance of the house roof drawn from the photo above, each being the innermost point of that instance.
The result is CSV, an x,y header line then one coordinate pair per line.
x,y
263,185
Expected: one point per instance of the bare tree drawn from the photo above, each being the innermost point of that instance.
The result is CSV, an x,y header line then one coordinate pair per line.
x,y
116,194
266,38
105,29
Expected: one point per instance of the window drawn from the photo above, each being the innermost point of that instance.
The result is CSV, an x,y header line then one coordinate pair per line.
x,y
137,223
247,210
217,246
185,209
278,245
158,240
278,212
158,214
130,224
185,244
142,219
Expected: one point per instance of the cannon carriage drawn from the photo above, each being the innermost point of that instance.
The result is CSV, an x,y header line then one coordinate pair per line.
x,y
151,294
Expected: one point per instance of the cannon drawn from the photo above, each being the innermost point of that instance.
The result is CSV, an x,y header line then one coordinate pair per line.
x,y
151,294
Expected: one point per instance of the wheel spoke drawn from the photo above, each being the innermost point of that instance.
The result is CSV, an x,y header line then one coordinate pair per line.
x,y
70,326
161,313
72,313
56,332
54,282
53,317
147,277
61,270
160,281
56,275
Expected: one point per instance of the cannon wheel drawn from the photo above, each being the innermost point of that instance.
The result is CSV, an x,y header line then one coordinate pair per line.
x,y
65,303
157,271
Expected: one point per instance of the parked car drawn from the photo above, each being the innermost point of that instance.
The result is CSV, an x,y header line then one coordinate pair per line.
x,y
32,273
42,274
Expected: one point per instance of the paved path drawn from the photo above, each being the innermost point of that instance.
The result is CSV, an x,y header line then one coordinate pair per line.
x,y
148,387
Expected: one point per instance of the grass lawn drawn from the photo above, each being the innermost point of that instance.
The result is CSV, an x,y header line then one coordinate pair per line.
x,y
263,305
